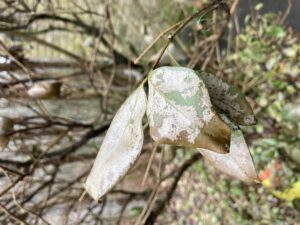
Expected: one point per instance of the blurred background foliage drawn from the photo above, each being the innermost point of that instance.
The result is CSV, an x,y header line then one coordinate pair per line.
x,y
264,61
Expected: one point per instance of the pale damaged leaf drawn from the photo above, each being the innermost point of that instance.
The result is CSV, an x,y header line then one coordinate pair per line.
x,y
229,99
180,111
238,162
121,146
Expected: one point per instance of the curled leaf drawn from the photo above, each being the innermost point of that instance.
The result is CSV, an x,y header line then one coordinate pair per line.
x,y
238,162
180,111
121,146
229,99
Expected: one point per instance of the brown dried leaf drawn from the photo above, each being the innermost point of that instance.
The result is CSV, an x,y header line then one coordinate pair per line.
x,y
45,90
6,126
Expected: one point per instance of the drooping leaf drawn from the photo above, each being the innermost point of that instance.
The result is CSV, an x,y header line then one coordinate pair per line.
x,y
229,99
238,162
180,111
121,146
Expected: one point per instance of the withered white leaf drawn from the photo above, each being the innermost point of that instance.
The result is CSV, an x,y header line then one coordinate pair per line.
x,y
229,99
238,162
180,111
121,146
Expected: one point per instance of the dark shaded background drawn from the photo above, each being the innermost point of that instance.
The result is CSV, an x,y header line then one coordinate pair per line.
x,y
293,19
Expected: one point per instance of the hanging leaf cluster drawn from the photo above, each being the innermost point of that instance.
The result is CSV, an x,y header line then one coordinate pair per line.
x,y
185,108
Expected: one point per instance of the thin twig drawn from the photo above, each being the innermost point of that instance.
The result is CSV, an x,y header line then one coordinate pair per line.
x,y
137,60
287,11
156,211
14,217
149,164
179,28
